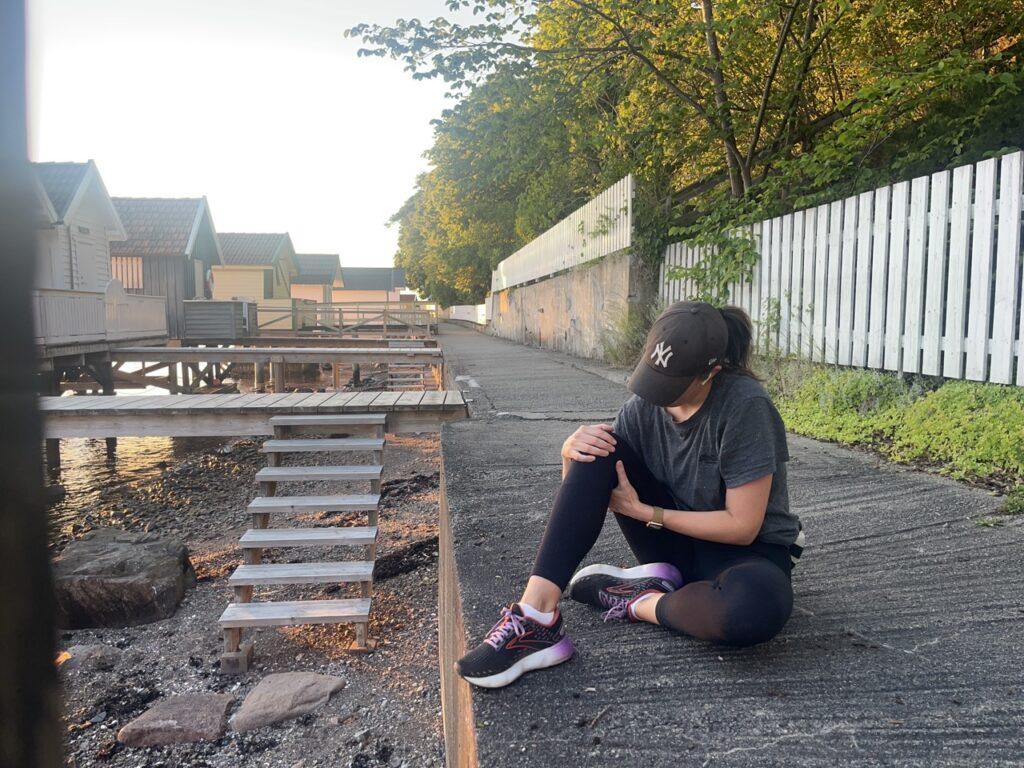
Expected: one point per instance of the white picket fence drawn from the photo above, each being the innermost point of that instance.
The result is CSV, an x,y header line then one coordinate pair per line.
x,y
601,227
923,276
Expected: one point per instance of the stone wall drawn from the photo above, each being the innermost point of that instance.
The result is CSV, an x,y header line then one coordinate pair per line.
x,y
570,311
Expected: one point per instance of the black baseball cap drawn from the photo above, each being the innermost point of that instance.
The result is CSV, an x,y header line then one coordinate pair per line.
x,y
686,341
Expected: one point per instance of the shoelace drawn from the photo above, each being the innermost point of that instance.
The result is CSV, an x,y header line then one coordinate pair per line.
x,y
508,623
619,608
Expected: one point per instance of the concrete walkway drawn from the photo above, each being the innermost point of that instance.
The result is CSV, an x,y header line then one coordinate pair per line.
x,y
906,646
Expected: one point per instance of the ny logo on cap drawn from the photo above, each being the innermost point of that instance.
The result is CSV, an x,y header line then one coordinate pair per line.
x,y
661,354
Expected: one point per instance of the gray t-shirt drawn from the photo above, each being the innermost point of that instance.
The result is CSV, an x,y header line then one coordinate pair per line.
x,y
735,437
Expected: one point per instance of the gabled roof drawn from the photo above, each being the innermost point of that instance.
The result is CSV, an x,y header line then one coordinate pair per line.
x,y
258,249
159,226
60,182
372,278
65,185
316,268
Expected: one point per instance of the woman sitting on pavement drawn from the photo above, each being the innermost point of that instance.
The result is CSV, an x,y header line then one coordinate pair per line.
x,y
694,470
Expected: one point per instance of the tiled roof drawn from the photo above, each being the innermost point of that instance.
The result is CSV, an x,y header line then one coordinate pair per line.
x,y
251,248
156,226
316,268
61,181
372,278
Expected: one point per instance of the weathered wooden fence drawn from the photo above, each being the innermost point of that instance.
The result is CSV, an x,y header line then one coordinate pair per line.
x,y
601,227
923,276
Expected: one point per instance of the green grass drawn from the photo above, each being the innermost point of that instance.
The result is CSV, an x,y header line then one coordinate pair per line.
x,y
967,430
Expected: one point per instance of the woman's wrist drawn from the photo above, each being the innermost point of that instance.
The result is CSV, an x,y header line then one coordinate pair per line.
x,y
644,512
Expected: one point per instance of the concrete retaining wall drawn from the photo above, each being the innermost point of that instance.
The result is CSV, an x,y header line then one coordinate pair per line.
x,y
570,311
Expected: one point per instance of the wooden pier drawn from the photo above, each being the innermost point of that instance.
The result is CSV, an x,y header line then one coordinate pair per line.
x,y
238,415
185,371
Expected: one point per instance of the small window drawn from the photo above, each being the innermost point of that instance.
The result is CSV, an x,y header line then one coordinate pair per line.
x,y
268,284
83,230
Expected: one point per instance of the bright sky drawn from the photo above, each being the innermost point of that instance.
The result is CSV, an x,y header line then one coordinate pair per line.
x,y
261,105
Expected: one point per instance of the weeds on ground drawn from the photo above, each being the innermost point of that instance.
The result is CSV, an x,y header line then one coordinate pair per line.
x,y
625,333
970,431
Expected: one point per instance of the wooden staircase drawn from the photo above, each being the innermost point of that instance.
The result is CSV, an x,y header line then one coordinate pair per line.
x,y
244,612
412,377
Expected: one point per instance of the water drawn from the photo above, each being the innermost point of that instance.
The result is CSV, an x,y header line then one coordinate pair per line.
x,y
88,475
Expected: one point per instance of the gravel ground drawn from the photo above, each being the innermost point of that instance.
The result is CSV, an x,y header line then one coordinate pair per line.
x,y
389,712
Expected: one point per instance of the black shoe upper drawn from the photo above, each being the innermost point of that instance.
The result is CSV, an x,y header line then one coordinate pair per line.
x,y
512,638
603,591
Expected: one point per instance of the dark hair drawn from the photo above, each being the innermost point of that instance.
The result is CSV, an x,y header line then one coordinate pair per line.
x,y
737,350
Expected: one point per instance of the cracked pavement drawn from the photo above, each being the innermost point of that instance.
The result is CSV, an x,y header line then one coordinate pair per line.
x,y
905,647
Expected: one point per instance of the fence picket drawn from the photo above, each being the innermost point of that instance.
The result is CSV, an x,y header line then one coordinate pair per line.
x,y
820,281
785,276
982,274
862,280
935,273
956,278
879,278
916,245
846,280
835,234
807,290
1007,270
896,291
796,274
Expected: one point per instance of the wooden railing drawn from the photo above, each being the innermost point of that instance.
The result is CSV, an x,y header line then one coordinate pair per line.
x,y
347,318
65,317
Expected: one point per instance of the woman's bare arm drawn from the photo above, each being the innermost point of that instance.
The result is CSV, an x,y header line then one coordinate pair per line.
x,y
739,523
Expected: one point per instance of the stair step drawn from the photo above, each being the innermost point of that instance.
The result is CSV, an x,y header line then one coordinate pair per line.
x,y
302,573
295,612
257,538
328,420
293,474
326,444
358,502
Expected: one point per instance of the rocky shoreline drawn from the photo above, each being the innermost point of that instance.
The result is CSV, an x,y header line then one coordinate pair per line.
x,y
386,709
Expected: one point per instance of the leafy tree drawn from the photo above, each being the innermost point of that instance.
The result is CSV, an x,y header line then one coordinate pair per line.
x,y
726,110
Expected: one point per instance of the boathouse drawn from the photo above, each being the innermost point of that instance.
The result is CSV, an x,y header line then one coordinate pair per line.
x,y
170,249
317,275
259,267
78,309
372,284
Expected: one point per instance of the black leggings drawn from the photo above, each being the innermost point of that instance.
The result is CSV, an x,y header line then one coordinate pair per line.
x,y
731,594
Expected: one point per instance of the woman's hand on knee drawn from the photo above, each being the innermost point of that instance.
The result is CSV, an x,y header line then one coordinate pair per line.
x,y
588,442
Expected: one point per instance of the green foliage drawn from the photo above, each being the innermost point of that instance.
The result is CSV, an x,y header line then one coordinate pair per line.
x,y
1014,504
969,430
624,337
847,406
726,112
975,429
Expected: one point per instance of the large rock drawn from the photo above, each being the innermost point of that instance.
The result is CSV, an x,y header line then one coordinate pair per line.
x,y
180,719
93,658
111,578
284,696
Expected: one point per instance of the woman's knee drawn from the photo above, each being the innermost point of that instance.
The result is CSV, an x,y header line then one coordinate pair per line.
x,y
757,602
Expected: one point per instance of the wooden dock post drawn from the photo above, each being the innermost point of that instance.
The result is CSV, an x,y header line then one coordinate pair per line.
x,y
277,377
103,372
258,377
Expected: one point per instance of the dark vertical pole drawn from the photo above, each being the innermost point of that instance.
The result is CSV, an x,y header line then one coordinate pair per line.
x,y
51,380
105,374
30,736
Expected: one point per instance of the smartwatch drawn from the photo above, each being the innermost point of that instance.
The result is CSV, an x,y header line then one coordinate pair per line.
x,y
657,521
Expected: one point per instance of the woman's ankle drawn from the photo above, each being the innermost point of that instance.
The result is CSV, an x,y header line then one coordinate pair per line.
x,y
541,594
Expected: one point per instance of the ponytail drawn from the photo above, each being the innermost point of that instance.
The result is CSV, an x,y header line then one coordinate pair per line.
x,y
737,350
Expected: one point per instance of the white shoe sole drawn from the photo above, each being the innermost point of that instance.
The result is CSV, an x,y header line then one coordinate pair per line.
x,y
665,571
561,651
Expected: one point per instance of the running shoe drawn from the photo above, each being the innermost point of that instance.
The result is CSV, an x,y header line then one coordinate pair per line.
x,y
615,589
515,645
